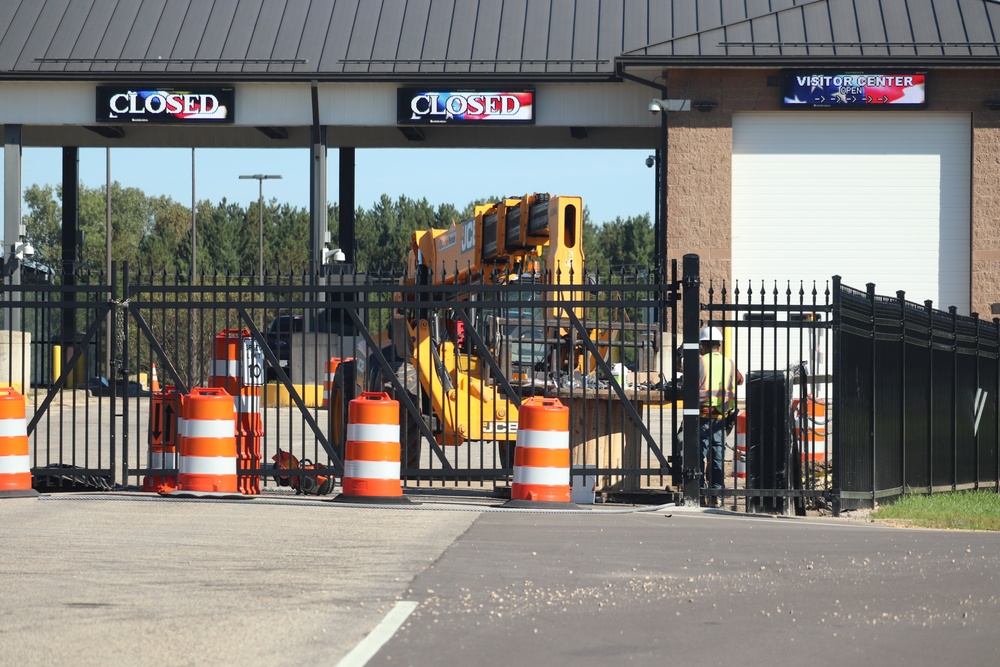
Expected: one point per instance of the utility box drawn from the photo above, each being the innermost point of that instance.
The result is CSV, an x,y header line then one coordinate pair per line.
x,y
15,360
769,437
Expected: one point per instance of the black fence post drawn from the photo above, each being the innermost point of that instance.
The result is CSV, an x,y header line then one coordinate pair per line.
x,y
838,379
873,408
953,311
901,297
996,411
929,307
692,378
975,424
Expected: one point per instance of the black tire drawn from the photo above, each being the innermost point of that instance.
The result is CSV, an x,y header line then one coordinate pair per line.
x,y
341,395
410,437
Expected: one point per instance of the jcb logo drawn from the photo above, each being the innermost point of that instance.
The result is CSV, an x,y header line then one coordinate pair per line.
x,y
468,235
499,427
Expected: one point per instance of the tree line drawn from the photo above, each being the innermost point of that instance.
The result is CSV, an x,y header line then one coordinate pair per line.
x,y
154,232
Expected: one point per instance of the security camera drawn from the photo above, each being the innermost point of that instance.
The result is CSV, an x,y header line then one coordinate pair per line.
x,y
650,161
337,255
24,250
654,107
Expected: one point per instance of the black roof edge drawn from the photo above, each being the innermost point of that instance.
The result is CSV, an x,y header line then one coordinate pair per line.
x,y
231,78
798,62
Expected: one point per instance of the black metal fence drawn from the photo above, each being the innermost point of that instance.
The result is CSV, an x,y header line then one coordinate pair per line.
x,y
848,399
917,400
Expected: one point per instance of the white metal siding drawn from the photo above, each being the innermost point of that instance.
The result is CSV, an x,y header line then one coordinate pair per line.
x,y
878,197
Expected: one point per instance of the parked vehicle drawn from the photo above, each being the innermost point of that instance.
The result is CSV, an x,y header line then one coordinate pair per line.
x,y
101,386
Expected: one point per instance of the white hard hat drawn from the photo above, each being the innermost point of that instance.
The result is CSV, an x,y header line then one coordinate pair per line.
x,y
710,334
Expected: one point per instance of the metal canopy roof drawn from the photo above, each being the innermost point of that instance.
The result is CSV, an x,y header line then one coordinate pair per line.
x,y
398,40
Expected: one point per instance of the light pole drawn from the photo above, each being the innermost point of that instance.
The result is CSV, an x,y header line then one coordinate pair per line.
x,y
260,219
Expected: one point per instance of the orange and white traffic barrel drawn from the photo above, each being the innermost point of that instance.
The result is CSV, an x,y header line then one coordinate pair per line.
x,y
541,457
371,456
228,373
225,370
810,428
162,439
740,456
331,374
207,432
15,462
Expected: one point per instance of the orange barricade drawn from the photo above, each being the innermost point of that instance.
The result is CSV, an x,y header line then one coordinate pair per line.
x,y
541,457
810,428
249,433
207,431
15,463
371,458
162,438
740,457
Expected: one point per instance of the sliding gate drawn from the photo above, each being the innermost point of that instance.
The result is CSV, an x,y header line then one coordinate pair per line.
x,y
84,348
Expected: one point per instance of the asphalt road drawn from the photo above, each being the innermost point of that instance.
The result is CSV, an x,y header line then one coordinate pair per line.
x,y
271,582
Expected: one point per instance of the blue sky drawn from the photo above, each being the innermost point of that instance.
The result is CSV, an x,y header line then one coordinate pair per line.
x,y
611,182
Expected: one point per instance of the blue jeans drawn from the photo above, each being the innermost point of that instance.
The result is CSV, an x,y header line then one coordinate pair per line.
x,y
713,445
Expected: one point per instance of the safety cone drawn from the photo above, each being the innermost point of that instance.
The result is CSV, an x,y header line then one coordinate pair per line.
x,y
15,462
154,380
541,457
371,457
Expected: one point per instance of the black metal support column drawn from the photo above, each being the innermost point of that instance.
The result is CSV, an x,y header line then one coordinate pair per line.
x,y
70,240
347,235
691,278
661,191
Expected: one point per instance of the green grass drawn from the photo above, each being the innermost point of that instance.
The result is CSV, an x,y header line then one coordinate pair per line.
x,y
965,510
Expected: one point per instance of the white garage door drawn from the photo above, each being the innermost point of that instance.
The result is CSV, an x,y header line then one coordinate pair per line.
x,y
873,197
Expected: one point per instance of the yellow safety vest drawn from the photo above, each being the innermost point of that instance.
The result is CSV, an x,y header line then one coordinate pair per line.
x,y
718,383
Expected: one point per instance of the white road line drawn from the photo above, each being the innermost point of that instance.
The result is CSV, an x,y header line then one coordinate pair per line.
x,y
383,632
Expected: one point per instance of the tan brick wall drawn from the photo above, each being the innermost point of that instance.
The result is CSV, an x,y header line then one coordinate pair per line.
x,y
699,165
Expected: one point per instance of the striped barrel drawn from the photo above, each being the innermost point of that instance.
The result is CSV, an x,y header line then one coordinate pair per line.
x,y
541,457
15,463
226,373
371,457
207,430
740,456
810,428
225,370
331,373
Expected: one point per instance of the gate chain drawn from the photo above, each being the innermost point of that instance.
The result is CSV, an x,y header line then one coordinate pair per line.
x,y
119,330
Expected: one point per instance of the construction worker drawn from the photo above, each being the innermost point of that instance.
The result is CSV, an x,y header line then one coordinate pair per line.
x,y
717,397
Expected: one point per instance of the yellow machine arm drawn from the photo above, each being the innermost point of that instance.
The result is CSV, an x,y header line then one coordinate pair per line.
x,y
501,241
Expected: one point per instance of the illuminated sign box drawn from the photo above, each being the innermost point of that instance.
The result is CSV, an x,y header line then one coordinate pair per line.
x,y
136,104
432,106
853,90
